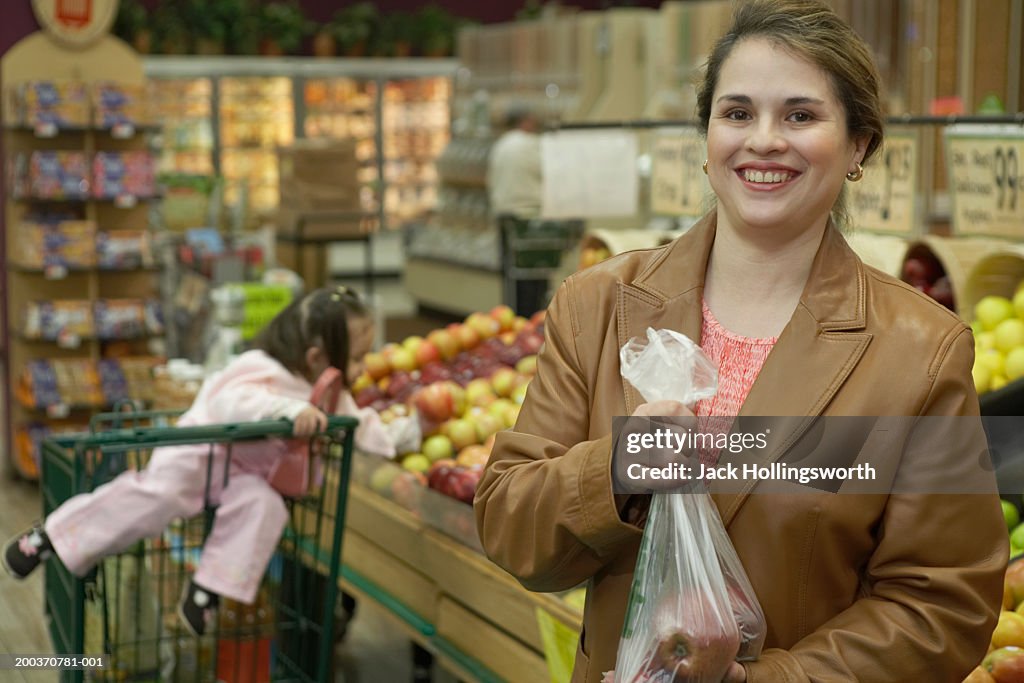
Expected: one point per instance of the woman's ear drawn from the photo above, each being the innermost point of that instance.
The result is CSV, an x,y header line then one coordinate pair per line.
x,y
860,148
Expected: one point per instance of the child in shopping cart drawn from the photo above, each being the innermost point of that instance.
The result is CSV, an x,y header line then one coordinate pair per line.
x,y
327,328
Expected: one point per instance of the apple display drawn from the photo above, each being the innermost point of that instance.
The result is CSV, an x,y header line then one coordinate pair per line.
x,y
426,353
473,456
503,381
479,392
411,343
483,324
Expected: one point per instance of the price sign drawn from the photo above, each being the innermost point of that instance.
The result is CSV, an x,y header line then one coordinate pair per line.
x,y
885,199
678,184
986,179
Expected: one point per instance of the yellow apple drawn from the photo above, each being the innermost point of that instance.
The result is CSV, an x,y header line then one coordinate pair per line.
x,y
982,378
992,310
1009,334
1009,630
1014,364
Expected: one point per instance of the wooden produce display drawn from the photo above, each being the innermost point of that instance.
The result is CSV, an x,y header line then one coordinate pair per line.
x,y
411,551
81,291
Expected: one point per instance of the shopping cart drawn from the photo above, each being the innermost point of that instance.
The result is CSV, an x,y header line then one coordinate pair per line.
x,y
126,608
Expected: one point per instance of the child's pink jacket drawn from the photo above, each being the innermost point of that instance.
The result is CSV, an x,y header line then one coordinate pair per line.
x,y
250,514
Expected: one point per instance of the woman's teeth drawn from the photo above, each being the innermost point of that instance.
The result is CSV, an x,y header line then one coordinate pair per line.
x,y
765,176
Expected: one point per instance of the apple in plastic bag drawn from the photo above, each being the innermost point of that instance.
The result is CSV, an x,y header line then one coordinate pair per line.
x,y
694,645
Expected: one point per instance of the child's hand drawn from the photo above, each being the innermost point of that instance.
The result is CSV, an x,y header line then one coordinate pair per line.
x,y
309,422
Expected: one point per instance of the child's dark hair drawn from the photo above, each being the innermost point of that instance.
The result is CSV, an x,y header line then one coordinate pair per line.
x,y
320,318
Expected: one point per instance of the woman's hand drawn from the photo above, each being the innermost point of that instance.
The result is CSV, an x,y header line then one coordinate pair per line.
x,y
663,407
310,421
735,674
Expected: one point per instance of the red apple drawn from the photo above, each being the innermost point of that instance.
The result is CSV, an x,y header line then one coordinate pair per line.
x,y
434,372
460,483
467,337
505,316
537,318
368,395
445,343
942,292
530,342
695,643
1005,664
438,472
377,365
434,402
426,353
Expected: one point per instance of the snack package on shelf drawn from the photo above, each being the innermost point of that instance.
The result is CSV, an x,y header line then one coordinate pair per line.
x,y
50,175
42,241
120,318
62,104
81,382
28,443
59,319
119,104
124,249
123,174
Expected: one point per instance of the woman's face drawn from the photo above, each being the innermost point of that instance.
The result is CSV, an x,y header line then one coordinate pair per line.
x,y
778,149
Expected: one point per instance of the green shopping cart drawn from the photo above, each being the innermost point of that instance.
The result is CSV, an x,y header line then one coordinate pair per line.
x,y
126,607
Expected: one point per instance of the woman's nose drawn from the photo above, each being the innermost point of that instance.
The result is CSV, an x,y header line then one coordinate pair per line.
x,y
766,137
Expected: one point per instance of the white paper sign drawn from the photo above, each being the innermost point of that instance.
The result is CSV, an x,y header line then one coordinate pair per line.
x,y
885,199
986,179
589,174
678,184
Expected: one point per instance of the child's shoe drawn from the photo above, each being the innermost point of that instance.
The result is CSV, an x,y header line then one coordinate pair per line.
x,y
25,552
198,608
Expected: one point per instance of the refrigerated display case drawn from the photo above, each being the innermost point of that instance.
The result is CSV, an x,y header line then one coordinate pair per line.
x,y
240,110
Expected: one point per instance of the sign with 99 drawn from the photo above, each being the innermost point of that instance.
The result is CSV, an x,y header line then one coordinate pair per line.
x,y
986,179
886,199
678,184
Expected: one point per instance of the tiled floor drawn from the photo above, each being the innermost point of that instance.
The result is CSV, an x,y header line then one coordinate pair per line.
x,y
373,652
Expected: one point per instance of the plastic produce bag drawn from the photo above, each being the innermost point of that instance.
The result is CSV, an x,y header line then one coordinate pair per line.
x,y
692,610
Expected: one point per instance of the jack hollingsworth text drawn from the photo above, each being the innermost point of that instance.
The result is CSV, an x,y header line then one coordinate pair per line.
x,y
776,471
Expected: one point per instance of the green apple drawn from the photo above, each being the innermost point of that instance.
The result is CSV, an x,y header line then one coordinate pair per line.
x,y
982,378
1017,536
1018,300
985,341
976,328
416,462
1009,334
992,310
1010,514
1015,364
993,359
438,447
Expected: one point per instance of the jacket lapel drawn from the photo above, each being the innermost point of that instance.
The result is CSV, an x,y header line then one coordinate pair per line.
x,y
813,357
667,294
819,348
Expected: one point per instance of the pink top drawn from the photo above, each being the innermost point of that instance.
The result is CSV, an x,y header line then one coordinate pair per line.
x,y
739,360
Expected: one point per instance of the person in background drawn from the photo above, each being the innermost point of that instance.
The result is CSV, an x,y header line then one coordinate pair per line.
x,y
329,327
514,167
890,587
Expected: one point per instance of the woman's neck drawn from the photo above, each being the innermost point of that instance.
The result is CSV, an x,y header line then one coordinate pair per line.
x,y
754,280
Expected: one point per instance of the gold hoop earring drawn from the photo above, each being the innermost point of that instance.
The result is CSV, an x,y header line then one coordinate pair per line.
x,y
854,176
705,166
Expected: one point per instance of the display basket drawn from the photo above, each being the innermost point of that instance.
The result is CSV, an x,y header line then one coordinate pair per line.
x,y
126,608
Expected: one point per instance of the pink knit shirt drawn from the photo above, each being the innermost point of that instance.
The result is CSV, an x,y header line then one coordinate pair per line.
x,y
739,360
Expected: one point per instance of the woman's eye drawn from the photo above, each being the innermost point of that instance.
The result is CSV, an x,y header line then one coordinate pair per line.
x,y
800,117
736,115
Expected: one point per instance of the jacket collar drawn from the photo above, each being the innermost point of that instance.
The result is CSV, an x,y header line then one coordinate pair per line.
x,y
818,349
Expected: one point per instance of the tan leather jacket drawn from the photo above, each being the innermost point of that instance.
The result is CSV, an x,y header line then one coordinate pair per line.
x,y
854,587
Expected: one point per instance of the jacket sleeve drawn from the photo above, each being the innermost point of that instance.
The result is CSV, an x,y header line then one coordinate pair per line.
x,y
933,586
544,507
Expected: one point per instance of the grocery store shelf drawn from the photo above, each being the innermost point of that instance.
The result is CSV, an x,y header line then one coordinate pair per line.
x,y
384,68
452,287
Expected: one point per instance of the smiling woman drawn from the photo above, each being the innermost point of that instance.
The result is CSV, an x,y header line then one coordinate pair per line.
x,y
854,587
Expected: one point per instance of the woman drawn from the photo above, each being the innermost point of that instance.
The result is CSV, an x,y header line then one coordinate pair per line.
x,y
854,588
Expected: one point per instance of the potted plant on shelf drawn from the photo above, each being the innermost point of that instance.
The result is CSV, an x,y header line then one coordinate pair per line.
x,y
132,26
435,31
354,27
283,26
241,22
170,32
206,26
403,34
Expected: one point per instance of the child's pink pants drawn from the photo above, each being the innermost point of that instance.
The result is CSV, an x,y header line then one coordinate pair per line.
x,y
249,521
